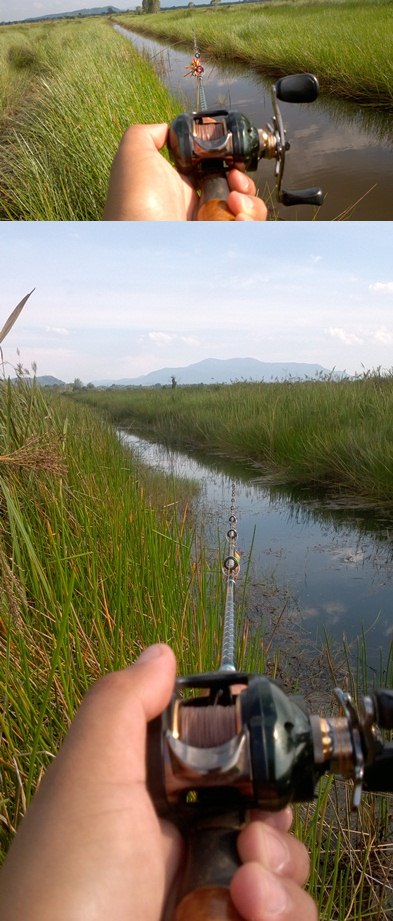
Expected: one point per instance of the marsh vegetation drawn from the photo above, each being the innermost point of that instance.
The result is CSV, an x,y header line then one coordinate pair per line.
x,y
68,91
331,433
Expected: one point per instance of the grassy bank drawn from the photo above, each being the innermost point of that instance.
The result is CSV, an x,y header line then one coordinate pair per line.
x,y
22,58
68,92
341,42
329,433
98,559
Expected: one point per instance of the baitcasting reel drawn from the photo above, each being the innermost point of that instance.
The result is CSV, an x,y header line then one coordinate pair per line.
x,y
259,748
206,144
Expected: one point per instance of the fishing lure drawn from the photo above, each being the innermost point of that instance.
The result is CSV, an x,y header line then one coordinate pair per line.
x,y
196,69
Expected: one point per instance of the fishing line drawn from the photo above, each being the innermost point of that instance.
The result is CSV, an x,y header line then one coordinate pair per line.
x,y
231,569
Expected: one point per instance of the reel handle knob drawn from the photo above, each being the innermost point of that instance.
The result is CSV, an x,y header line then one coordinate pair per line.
x,y
213,206
312,196
383,703
378,777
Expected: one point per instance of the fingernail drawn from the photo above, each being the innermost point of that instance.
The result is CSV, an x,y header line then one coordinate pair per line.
x,y
273,894
244,182
152,652
247,205
277,852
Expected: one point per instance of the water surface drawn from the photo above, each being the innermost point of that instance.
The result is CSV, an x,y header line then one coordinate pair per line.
x,y
316,566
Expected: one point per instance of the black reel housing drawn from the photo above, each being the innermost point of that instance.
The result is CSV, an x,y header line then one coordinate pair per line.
x,y
190,155
281,745
259,747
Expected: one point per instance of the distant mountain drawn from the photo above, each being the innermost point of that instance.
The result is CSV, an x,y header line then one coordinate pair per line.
x,y
94,11
222,371
46,380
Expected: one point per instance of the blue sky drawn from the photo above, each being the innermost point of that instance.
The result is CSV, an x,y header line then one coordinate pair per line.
x,y
23,9
11,10
119,300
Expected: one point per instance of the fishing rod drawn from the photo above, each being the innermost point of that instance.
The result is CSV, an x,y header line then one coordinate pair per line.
x,y
237,742
206,143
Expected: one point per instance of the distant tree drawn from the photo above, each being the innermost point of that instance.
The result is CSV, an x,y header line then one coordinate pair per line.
x,y
151,6
77,385
139,10
173,382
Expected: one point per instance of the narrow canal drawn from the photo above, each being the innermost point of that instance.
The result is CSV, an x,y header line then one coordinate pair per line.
x,y
345,149
316,566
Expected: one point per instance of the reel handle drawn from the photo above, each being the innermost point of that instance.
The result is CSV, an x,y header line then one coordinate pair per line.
x,y
211,862
212,206
312,196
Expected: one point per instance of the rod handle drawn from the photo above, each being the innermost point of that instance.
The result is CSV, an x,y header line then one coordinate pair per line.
x,y
212,205
210,864
210,904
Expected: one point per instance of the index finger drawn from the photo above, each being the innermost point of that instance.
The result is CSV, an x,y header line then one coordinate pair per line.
x,y
239,181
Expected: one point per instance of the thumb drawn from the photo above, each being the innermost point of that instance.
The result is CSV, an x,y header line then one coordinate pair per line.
x,y
154,677
111,721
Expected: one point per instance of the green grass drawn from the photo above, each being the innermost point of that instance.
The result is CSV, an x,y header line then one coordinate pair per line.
x,y
22,58
99,558
342,42
69,91
328,433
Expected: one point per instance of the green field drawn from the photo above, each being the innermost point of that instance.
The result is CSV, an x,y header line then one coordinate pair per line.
x,y
347,43
68,91
325,433
98,558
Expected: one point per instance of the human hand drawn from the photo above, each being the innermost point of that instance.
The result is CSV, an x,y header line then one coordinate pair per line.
x,y
91,846
143,185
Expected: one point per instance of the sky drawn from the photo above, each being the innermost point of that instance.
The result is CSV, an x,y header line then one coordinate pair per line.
x,y
12,10
117,300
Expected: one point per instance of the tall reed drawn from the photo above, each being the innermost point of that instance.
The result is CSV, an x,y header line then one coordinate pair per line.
x,y
333,433
97,560
58,146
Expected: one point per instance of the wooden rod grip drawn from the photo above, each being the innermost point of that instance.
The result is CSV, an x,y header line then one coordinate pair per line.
x,y
212,859
207,905
213,206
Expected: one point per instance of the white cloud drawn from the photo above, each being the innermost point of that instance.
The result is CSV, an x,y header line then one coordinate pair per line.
x,y
57,330
383,335
382,287
160,338
190,340
337,332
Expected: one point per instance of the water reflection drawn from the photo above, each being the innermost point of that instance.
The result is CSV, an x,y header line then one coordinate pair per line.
x,y
327,568
344,148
